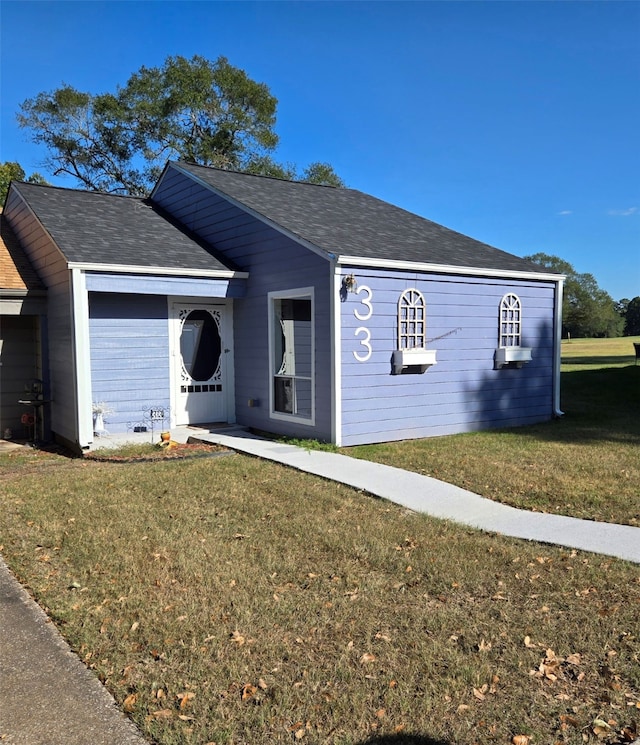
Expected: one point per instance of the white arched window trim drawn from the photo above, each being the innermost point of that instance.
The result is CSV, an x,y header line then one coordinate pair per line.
x,y
412,320
412,334
510,350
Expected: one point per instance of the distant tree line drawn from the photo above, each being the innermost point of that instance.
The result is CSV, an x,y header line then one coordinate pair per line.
x,y
587,310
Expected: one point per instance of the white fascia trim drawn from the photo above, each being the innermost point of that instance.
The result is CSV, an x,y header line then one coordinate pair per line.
x,y
254,213
419,266
336,357
557,348
157,270
21,293
82,357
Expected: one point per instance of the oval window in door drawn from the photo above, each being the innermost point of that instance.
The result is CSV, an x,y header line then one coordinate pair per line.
x,y
200,345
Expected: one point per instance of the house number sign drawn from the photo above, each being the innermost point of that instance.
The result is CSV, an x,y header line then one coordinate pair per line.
x,y
362,332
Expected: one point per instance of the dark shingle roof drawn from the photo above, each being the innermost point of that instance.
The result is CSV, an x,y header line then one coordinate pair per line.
x,y
16,272
350,223
95,228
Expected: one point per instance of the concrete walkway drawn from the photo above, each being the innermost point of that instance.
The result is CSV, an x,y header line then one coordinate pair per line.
x,y
47,696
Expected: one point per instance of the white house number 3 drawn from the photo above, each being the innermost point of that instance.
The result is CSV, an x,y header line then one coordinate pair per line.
x,y
362,332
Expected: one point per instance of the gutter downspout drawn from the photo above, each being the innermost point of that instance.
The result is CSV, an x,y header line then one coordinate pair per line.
x,y
81,358
557,348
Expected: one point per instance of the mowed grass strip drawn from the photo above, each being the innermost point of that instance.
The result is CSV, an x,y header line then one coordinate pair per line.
x,y
236,601
586,464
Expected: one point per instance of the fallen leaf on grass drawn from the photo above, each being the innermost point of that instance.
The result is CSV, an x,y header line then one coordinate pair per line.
x,y
567,719
367,657
162,714
129,703
237,638
248,691
520,740
185,699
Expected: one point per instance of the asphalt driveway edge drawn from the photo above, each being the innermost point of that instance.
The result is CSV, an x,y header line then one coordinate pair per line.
x,y
47,695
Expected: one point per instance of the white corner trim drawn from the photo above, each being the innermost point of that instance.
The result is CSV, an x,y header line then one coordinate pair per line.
x,y
419,266
557,348
336,356
82,357
158,270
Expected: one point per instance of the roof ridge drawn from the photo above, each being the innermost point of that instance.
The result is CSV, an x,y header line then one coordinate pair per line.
x,y
257,175
77,190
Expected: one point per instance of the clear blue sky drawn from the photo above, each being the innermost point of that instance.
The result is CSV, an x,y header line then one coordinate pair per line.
x,y
517,123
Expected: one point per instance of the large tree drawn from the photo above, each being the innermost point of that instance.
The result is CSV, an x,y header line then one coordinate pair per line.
x,y
12,171
587,310
204,112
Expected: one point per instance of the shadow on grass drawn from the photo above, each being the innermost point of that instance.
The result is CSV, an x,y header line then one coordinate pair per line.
x,y
617,360
598,405
403,739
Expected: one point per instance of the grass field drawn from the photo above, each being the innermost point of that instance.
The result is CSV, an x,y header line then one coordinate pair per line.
x,y
598,353
234,601
586,464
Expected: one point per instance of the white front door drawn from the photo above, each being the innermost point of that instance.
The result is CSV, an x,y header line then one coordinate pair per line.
x,y
201,358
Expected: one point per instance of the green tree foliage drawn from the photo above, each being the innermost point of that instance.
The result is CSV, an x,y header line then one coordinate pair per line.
x,y
587,311
12,171
632,317
196,110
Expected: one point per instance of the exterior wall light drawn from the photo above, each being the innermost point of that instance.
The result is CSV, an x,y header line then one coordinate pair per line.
x,y
349,283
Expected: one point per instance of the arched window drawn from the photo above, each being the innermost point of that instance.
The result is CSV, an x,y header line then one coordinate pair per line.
x,y
412,320
510,321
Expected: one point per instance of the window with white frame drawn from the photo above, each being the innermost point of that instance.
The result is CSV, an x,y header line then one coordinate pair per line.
x,y
510,321
412,320
291,351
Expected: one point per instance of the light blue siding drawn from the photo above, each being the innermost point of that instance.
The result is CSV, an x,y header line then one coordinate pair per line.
x,y
275,263
129,355
462,392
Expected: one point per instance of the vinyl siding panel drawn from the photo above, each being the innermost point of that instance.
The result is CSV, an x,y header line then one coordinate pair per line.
x,y
129,355
275,263
52,269
462,392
